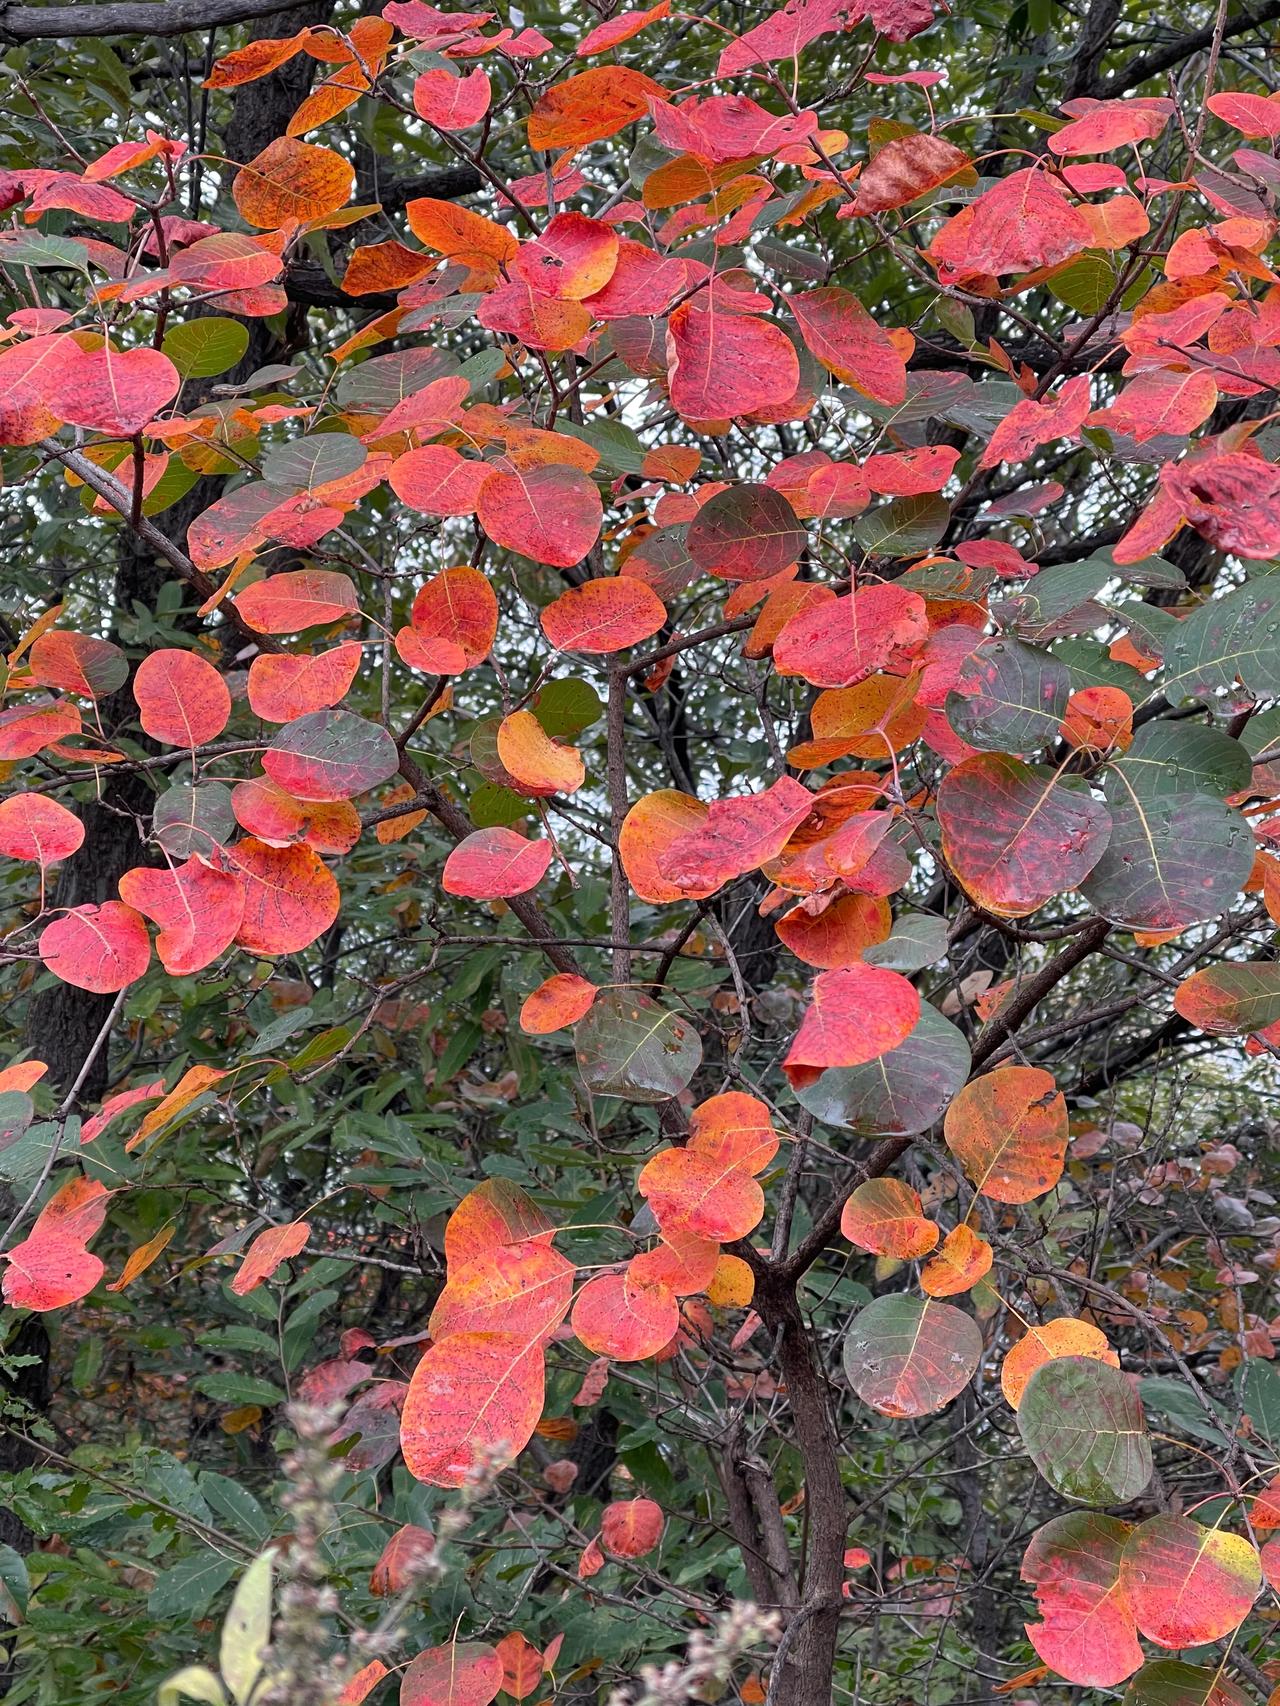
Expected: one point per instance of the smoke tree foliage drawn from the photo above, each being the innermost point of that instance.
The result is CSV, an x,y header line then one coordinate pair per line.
x,y
640,754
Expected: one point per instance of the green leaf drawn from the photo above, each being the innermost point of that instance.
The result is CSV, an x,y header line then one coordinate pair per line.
x,y
566,707
1014,698
305,463
195,1682
41,249
200,349
247,1630
1171,861
236,1505
1237,635
1170,1682
1260,1398
1083,1425
1183,758
1084,284
631,1047
1177,1404
187,1587
909,1356
918,939
901,1093
239,1389
904,527
619,447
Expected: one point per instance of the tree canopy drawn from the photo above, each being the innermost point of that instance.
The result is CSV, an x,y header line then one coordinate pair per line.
x,y
638,862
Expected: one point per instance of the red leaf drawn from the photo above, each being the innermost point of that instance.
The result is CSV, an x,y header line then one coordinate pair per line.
x,y
617,1317
603,615
843,336
475,1398
837,934
1030,424
437,480
699,1196
1022,223
493,864
182,700
450,102
573,258
1112,124
1252,115
629,1528
30,374
1186,1584
33,827
199,911
857,1014
1014,836
28,729
114,391
271,814
78,663
1086,1632
551,514
879,627
716,128
737,835
463,1673
905,168
290,897
99,948
721,365
402,1559
277,1244
455,615
1159,402
522,1663
282,687
786,33
47,1271
302,598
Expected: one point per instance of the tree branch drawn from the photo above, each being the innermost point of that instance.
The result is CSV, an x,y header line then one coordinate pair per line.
x,y
173,18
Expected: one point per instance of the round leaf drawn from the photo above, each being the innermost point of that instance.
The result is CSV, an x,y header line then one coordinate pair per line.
x,y
908,1356
1083,1424
629,1046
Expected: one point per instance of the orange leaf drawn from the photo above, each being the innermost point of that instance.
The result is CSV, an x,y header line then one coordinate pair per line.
x,y
290,897
1008,1130
1063,1337
277,1244
885,1217
958,1266
631,1527
473,1398
537,764
560,1001
603,615
291,180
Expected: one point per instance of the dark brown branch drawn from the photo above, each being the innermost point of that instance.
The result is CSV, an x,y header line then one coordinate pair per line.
x,y
51,23
1173,53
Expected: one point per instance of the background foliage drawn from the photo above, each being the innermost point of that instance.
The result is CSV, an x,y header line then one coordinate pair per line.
x,y
378,1074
